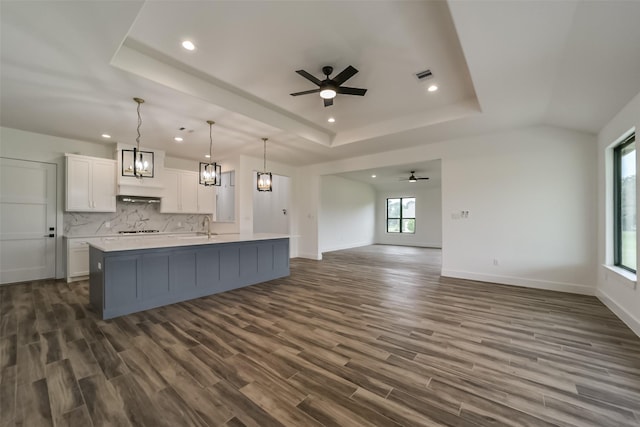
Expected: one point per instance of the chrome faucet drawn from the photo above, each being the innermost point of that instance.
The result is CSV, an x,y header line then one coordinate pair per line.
x,y
207,223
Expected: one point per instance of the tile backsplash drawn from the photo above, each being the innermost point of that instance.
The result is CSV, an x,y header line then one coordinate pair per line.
x,y
130,217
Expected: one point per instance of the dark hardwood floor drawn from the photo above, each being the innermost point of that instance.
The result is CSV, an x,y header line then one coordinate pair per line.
x,y
369,336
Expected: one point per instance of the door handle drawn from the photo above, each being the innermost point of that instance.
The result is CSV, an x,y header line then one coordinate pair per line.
x,y
284,211
50,235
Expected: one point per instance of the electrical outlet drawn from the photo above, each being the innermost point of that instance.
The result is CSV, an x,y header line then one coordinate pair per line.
x,y
495,262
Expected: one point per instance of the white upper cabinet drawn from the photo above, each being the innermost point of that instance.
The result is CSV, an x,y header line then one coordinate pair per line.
x,y
170,202
189,192
90,184
183,194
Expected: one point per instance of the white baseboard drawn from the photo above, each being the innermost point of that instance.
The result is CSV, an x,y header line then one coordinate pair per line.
x,y
431,245
317,257
520,281
347,246
631,321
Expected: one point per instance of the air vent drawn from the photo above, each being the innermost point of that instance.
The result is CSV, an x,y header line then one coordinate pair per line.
x,y
424,74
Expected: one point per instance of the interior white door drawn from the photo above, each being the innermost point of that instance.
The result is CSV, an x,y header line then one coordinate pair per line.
x,y
271,208
27,220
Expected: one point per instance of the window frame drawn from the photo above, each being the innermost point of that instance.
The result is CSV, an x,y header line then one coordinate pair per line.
x,y
617,202
399,218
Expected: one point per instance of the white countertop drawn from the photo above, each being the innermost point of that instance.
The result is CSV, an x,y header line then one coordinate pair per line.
x,y
127,235
169,241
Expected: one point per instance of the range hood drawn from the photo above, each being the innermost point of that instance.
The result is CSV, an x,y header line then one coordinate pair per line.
x,y
138,199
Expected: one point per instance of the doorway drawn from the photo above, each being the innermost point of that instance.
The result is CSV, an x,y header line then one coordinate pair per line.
x,y
27,220
271,208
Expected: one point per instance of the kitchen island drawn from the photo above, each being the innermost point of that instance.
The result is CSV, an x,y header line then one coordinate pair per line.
x,y
127,276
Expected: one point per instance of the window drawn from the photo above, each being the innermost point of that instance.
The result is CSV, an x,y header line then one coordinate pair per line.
x,y
401,215
624,204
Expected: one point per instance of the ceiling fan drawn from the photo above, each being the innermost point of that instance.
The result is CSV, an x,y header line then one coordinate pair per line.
x,y
413,178
329,88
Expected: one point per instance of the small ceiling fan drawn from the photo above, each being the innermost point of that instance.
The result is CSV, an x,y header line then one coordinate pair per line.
x,y
413,178
329,88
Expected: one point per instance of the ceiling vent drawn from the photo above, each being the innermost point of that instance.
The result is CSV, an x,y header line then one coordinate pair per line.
x,y
426,74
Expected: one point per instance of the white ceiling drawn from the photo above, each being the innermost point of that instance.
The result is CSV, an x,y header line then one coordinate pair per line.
x,y
70,69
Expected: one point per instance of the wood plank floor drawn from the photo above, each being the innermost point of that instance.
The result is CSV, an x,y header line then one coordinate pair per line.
x,y
369,336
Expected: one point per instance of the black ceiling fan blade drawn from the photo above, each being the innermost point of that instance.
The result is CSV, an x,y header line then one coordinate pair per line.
x,y
306,92
422,178
328,102
308,76
351,91
345,75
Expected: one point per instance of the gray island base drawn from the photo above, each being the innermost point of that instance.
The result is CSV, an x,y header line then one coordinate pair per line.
x,y
127,279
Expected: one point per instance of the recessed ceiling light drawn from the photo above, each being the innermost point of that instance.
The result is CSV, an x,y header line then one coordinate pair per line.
x,y
187,44
331,120
432,88
207,156
373,176
106,136
178,139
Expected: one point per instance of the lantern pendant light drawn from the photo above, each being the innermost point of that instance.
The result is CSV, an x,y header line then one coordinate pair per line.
x,y
210,173
264,177
136,162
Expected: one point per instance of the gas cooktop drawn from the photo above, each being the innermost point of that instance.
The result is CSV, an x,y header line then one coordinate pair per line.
x,y
138,231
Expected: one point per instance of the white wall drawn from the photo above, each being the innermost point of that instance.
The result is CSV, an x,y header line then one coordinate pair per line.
x,y
620,293
530,194
347,213
531,203
428,217
18,144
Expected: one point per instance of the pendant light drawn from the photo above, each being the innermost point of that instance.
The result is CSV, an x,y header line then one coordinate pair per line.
x,y
135,162
264,177
210,173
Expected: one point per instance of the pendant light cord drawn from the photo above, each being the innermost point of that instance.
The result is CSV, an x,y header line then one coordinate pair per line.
x,y
210,144
139,124
210,123
264,165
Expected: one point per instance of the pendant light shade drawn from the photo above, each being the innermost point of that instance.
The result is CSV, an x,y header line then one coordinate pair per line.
x,y
264,177
136,162
210,172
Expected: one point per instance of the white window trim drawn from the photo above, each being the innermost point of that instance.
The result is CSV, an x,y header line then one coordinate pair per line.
x,y
628,278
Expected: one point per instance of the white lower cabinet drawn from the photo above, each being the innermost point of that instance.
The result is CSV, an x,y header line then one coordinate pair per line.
x,y
77,259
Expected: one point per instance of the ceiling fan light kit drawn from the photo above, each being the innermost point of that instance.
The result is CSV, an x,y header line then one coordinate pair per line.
x,y
328,93
330,88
